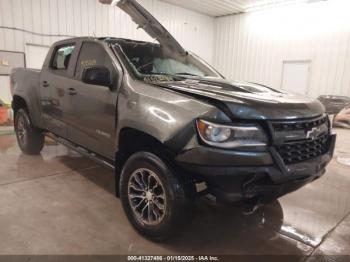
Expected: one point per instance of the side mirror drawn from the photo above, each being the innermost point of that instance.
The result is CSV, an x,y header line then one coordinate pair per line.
x,y
98,75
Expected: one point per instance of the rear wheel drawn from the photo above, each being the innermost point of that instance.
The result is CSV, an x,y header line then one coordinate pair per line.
x,y
152,196
30,140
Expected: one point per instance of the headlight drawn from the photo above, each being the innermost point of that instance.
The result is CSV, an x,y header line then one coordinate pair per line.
x,y
231,136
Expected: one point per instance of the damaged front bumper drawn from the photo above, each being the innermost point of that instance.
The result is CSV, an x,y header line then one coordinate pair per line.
x,y
234,176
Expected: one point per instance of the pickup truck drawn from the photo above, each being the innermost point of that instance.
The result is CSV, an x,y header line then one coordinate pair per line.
x,y
170,125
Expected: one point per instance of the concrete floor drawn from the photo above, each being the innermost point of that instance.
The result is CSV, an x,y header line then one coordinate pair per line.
x,y
62,203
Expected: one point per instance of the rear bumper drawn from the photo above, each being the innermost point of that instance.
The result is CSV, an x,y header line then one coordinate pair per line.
x,y
234,176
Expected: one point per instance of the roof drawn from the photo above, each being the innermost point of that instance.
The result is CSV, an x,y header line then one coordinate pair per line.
x,y
102,39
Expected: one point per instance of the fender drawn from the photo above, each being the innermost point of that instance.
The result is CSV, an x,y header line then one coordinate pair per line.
x,y
162,113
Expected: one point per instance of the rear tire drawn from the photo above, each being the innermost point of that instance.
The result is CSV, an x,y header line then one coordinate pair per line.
x,y
29,139
152,196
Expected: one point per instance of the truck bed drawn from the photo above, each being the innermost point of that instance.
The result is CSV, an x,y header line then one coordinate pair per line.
x,y
25,78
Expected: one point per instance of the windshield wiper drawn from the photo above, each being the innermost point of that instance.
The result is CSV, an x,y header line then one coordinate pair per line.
x,y
162,74
186,74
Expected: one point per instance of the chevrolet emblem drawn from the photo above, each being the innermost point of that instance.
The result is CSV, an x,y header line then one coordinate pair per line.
x,y
313,133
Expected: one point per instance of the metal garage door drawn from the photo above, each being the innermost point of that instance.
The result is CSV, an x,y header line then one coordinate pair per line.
x,y
5,93
35,55
8,61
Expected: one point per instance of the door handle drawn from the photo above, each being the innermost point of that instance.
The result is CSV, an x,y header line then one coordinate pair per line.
x,y
46,84
72,91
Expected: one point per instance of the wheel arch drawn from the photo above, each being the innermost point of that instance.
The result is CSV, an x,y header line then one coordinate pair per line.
x,y
33,111
132,140
18,102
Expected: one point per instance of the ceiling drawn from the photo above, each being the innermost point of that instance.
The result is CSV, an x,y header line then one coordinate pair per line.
x,y
217,8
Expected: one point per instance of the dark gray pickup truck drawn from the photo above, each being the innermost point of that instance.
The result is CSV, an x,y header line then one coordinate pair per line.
x,y
169,124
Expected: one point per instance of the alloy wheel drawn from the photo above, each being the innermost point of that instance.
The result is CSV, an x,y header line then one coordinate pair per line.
x,y
147,197
22,130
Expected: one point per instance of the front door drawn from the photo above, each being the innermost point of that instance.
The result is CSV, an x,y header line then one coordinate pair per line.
x,y
94,106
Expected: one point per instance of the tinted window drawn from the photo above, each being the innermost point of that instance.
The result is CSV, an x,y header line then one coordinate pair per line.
x,y
62,57
91,55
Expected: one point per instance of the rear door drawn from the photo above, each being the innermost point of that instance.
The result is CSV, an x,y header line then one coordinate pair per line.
x,y
94,106
54,84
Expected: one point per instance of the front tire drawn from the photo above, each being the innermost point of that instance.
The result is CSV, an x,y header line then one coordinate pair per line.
x,y
29,139
152,196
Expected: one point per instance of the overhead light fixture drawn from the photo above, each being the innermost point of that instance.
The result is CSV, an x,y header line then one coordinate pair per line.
x,y
316,1
105,2
109,2
272,4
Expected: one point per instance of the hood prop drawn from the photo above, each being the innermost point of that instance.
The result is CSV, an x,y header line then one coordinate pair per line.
x,y
149,24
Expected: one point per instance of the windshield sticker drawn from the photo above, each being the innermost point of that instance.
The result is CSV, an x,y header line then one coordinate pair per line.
x,y
158,78
88,63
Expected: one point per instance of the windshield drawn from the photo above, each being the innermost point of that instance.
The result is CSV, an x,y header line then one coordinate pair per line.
x,y
151,59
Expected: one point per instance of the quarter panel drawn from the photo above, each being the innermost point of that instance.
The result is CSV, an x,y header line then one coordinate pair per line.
x,y
26,86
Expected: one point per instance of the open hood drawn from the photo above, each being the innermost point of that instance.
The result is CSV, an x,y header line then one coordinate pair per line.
x,y
245,101
148,23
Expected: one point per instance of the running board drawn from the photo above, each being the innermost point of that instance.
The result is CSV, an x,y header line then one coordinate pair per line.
x,y
98,159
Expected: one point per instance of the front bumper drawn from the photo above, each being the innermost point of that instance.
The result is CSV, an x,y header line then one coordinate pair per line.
x,y
233,176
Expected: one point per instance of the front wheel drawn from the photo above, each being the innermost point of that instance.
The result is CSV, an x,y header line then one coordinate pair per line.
x,y
30,140
152,196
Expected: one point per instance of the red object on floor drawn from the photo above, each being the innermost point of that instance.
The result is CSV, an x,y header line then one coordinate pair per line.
x,y
3,115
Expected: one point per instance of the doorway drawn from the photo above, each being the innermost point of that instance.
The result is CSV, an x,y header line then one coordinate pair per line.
x,y
296,76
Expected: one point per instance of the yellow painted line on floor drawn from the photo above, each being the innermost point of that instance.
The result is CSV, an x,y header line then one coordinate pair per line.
x,y
7,133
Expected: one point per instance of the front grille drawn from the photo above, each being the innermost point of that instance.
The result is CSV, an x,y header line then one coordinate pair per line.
x,y
296,152
301,147
298,125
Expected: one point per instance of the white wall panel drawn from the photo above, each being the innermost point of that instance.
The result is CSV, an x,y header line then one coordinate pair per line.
x,y
253,46
88,17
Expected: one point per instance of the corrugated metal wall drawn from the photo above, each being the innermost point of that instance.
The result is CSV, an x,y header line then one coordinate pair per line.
x,y
253,46
247,47
88,17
